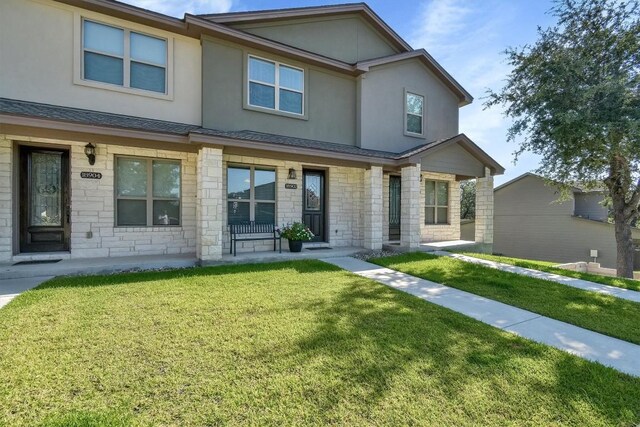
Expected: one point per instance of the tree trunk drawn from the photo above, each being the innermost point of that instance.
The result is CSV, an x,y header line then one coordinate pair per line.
x,y
624,238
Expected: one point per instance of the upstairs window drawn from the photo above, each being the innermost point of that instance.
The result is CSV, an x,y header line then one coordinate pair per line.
x,y
436,202
275,86
414,120
124,58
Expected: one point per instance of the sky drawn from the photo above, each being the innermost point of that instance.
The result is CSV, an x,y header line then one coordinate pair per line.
x,y
467,37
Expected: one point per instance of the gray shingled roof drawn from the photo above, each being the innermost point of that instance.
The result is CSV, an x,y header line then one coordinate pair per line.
x,y
90,117
96,118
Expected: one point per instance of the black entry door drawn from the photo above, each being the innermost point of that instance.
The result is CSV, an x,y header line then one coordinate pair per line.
x,y
395,207
313,203
44,200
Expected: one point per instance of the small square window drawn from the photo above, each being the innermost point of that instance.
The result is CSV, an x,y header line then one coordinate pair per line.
x,y
275,86
251,194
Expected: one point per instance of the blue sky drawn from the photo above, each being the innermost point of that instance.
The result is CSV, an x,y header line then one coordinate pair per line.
x,y
465,36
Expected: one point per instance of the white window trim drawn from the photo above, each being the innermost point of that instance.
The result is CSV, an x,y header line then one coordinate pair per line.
x,y
408,92
252,200
435,206
149,197
78,60
276,86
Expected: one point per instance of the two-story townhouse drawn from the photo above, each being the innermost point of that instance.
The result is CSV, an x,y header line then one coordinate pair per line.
x,y
123,131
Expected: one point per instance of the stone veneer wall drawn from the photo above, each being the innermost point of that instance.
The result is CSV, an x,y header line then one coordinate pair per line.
x,y
484,212
93,204
451,231
344,199
6,199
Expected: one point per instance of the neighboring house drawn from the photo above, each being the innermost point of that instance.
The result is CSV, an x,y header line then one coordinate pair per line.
x,y
530,222
323,114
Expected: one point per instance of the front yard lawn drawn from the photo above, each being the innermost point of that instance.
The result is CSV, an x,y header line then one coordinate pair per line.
x,y
548,267
299,343
598,312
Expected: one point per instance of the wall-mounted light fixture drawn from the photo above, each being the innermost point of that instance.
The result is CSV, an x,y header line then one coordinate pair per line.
x,y
90,151
292,174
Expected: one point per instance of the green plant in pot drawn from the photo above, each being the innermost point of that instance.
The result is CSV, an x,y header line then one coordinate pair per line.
x,y
295,234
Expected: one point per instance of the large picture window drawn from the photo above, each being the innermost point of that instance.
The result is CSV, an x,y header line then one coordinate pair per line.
x,y
275,86
122,57
414,114
436,202
147,192
251,194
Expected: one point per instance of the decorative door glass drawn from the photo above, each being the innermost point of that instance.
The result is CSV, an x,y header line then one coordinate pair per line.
x,y
312,192
46,189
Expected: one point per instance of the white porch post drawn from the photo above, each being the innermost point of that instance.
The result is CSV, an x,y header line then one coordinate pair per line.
x,y
209,223
484,211
410,214
373,208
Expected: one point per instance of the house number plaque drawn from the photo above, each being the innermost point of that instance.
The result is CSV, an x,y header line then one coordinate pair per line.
x,y
91,175
291,186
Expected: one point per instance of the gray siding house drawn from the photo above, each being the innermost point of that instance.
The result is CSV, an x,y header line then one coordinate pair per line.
x,y
531,223
127,132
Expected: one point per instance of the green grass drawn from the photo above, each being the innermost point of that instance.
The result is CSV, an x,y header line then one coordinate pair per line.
x,y
299,343
598,312
548,267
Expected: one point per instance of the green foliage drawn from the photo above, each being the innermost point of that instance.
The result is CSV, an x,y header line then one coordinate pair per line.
x,y
574,96
296,343
296,232
468,199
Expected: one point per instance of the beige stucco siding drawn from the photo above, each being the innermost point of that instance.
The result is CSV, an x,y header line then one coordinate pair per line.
x,y
39,61
530,223
381,117
330,98
346,38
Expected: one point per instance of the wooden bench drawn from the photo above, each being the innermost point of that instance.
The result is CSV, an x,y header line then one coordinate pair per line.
x,y
251,228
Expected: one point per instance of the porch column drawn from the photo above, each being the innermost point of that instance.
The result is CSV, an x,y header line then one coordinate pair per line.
x,y
484,212
209,223
373,208
411,203
6,201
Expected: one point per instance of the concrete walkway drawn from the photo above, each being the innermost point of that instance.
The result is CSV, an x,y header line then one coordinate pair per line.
x,y
11,288
612,352
569,281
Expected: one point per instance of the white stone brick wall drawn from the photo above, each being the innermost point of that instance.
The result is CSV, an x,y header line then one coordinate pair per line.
x,y
6,199
440,232
344,193
411,204
385,208
210,198
372,211
484,209
93,204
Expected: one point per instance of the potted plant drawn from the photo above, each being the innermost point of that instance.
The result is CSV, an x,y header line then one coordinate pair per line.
x,y
296,233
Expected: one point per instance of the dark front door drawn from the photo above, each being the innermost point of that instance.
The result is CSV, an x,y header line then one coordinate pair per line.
x,y
44,200
313,203
394,207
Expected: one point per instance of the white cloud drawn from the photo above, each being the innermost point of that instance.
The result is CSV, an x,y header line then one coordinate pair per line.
x,y
178,8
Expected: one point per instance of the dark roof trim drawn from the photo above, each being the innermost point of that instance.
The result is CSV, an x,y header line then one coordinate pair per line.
x,y
305,12
428,60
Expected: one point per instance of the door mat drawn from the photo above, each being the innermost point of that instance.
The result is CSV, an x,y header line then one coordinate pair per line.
x,y
323,248
43,261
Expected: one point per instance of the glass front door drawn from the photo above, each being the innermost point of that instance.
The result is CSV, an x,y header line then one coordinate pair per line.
x,y
313,202
394,207
44,213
